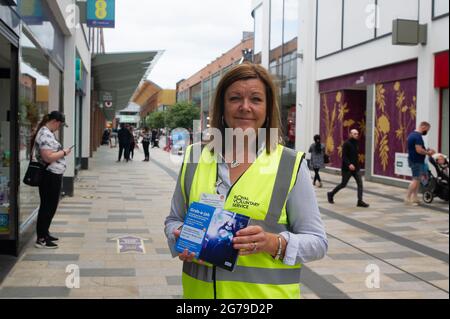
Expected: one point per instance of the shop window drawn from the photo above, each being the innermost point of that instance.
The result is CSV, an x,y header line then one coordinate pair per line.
x,y
5,137
444,123
33,105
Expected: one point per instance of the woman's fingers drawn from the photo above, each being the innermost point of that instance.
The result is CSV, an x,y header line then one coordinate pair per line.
x,y
186,256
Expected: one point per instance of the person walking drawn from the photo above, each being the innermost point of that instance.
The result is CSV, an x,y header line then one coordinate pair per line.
x,y
416,160
317,151
132,143
124,142
286,229
49,152
155,138
350,168
146,136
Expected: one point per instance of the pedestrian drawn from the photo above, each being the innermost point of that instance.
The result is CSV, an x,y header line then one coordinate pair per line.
x,y
350,168
416,160
317,151
49,152
287,229
155,138
124,142
132,143
146,136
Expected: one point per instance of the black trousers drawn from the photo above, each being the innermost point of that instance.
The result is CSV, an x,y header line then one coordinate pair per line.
x,y
49,192
317,176
146,145
125,149
131,151
346,175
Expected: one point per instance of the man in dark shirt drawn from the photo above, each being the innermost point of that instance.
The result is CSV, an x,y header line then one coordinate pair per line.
x,y
124,137
416,160
350,167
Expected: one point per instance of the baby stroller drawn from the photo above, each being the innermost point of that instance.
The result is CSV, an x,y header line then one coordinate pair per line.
x,y
437,185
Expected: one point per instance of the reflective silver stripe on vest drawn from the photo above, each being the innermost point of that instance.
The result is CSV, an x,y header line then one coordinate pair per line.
x,y
260,275
281,186
272,227
244,274
191,167
198,272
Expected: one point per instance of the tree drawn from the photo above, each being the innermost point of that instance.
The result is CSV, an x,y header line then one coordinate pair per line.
x,y
156,120
182,115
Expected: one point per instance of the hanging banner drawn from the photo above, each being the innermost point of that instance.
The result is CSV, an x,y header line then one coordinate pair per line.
x,y
101,13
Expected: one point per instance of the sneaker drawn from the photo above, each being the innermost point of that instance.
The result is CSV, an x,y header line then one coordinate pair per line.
x,y
330,198
320,185
362,204
45,244
415,200
410,203
51,238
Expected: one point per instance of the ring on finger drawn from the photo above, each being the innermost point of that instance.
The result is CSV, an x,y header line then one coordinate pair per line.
x,y
255,246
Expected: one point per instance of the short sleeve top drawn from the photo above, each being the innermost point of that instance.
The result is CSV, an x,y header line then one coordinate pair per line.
x,y
46,140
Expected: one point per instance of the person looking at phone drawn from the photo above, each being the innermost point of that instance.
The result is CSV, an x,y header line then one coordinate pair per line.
x,y
50,153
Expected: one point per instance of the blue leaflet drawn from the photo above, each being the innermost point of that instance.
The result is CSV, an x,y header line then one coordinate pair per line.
x,y
208,232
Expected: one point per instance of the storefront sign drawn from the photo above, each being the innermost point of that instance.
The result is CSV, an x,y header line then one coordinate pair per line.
x,y
107,99
131,119
401,164
31,11
101,13
441,70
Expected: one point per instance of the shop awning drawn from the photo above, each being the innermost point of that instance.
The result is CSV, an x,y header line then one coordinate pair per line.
x,y
121,74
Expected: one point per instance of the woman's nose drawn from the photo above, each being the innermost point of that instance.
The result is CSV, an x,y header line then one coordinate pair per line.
x,y
246,105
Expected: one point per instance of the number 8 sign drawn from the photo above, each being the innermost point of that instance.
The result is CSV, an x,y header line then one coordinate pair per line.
x,y
101,13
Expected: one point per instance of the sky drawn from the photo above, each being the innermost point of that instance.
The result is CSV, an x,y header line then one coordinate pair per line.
x,y
192,33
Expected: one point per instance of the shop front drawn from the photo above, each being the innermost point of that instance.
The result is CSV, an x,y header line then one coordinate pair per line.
x,y
9,60
31,66
441,84
381,104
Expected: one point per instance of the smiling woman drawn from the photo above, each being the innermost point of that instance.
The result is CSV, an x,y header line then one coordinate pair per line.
x,y
274,190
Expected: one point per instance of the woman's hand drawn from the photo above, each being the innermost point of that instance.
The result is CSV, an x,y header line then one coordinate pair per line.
x,y
253,240
185,256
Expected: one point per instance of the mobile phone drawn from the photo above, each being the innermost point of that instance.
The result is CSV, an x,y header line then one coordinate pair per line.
x,y
72,146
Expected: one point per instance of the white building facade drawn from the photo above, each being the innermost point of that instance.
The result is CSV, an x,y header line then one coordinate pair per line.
x,y
351,76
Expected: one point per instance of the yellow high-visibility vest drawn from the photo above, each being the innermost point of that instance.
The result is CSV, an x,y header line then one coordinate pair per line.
x,y
260,193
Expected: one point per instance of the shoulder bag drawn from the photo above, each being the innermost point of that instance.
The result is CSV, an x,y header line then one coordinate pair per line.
x,y
33,175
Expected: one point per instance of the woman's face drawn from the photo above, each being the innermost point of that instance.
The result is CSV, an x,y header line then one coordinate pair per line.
x,y
246,104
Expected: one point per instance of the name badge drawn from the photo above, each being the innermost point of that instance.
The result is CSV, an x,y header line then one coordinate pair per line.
x,y
214,200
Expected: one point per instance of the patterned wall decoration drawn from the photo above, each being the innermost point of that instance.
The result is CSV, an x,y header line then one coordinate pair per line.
x,y
341,112
395,118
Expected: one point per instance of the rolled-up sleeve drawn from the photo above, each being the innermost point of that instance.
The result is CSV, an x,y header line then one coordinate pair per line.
x,y
176,216
307,240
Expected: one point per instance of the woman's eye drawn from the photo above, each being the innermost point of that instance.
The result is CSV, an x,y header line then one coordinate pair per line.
x,y
234,98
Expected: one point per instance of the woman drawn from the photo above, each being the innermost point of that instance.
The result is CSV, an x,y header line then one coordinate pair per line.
x,y
132,143
146,135
274,190
317,151
49,152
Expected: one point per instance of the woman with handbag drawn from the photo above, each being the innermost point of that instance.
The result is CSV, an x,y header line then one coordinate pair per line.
x,y
318,156
50,153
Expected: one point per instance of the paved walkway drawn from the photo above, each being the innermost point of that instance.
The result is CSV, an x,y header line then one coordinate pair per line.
x,y
404,244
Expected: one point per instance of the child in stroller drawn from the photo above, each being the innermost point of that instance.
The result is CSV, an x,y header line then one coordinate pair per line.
x,y
437,185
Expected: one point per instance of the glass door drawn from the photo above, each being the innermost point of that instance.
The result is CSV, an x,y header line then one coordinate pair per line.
x,y
5,137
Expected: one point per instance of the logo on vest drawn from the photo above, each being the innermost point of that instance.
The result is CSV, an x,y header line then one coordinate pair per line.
x,y
243,202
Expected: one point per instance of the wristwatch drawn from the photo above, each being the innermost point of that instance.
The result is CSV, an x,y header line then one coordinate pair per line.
x,y
278,255
65,154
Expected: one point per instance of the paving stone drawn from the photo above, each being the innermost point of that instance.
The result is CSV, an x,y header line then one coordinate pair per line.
x,y
108,272
173,280
34,292
51,257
